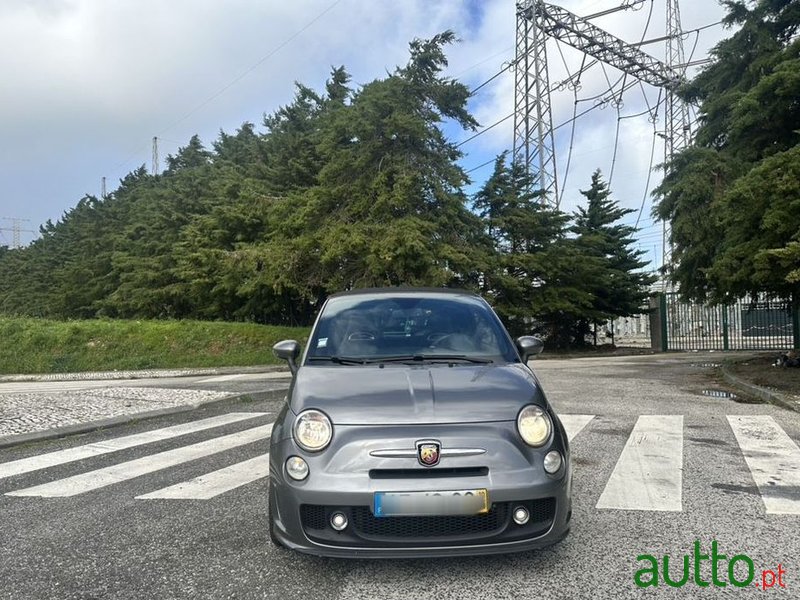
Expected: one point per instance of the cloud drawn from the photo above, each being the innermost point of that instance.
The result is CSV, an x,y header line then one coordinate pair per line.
x,y
87,83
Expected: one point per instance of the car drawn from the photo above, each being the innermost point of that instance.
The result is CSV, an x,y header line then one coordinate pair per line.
x,y
413,427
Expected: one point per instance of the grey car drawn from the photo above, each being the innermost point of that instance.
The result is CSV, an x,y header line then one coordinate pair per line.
x,y
414,428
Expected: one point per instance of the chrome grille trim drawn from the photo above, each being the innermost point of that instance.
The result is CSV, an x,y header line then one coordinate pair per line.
x,y
402,453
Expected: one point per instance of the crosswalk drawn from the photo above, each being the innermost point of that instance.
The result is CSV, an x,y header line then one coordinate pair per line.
x,y
648,472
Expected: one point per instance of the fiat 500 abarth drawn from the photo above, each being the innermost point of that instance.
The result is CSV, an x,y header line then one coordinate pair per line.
x,y
414,427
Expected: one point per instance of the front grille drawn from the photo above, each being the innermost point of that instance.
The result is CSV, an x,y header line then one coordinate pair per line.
x,y
366,530
541,510
426,473
313,516
369,526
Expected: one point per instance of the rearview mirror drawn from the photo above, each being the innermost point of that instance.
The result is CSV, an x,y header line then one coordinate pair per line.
x,y
288,350
529,346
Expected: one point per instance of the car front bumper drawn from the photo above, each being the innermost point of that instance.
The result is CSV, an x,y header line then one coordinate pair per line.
x,y
302,514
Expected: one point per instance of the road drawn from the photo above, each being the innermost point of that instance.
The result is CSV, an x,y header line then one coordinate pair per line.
x,y
175,507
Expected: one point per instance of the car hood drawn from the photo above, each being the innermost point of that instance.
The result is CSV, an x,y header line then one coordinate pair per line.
x,y
400,394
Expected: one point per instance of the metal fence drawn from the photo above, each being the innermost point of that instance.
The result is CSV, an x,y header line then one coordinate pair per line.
x,y
757,323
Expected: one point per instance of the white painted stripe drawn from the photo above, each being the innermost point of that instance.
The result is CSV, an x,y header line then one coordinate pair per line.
x,y
574,424
773,459
648,474
221,378
215,483
93,480
59,457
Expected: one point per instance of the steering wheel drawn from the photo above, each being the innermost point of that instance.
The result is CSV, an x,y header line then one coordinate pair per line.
x,y
361,336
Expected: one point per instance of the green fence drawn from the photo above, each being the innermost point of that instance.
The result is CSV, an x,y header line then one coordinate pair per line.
x,y
750,324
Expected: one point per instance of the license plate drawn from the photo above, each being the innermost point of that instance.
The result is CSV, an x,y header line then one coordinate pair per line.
x,y
422,504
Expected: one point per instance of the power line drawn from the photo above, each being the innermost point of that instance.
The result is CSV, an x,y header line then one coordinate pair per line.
x,y
480,166
630,5
619,102
484,61
252,68
568,121
683,34
239,77
572,132
482,131
16,230
492,78
652,158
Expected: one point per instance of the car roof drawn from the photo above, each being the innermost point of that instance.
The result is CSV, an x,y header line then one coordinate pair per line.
x,y
405,290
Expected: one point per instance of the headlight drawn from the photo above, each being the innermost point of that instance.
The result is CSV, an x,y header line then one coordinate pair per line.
x,y
534,425
312,430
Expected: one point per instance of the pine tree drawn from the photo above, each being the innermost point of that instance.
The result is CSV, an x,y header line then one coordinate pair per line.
x,y
537,278
730,198
622,287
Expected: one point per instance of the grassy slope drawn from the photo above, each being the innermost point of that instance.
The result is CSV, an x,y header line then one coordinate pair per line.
x,y
43,346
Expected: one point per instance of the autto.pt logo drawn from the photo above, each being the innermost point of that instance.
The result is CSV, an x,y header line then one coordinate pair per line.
x,y
706,569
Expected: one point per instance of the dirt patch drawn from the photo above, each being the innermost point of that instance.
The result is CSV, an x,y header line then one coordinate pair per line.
x,y
761,372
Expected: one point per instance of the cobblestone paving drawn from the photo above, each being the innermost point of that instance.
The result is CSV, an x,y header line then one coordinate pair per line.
x,y
27,413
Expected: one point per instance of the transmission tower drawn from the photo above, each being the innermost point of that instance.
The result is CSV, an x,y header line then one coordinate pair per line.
x,y
533,130
677,135
533,121
16,229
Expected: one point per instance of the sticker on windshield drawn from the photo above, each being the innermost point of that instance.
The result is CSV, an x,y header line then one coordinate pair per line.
x,y
322,342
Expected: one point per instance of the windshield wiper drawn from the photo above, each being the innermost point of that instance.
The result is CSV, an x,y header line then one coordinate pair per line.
x,y
431,358
341,360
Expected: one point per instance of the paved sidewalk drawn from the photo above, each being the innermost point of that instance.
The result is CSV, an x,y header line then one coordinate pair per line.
x,y
36,407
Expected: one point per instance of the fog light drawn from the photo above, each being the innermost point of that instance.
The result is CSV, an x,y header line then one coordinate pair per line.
x,y
338,521
552,462
521,515
297,468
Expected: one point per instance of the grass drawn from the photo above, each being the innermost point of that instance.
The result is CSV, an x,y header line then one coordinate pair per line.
x,y
46,346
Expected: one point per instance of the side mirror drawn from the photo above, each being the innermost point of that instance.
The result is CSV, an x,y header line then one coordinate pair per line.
x,y
288,350
529,346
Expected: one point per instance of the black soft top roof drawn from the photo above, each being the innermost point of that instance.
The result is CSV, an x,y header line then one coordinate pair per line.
x,y
404,290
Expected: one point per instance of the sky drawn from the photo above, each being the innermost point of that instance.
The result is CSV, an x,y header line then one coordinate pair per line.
x,y
87,84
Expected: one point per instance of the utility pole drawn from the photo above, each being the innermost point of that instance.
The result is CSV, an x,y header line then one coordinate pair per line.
x,y
103,188
16,229
155,156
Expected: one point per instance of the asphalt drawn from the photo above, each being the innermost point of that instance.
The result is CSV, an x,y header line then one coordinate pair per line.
x,y
108,544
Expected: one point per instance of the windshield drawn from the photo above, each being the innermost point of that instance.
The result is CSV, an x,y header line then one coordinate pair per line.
x,y
421,326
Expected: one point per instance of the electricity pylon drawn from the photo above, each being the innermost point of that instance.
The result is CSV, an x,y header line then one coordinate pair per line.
x,y
534,145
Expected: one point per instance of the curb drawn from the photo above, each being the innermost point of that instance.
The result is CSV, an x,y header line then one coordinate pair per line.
x,y
757,391
141,374
9,441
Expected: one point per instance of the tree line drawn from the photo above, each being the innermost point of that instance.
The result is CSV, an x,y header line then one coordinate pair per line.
x,y
343,188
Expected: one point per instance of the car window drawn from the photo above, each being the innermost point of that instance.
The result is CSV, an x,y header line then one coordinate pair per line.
x,y
380,325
